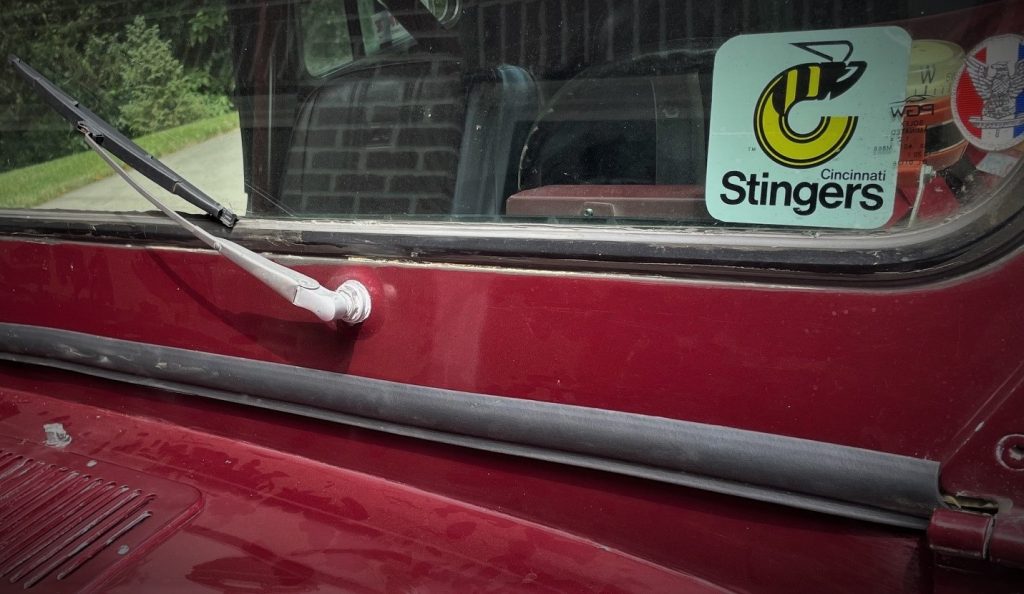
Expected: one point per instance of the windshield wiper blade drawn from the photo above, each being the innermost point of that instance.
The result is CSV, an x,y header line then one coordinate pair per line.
x,y
349,303
105,135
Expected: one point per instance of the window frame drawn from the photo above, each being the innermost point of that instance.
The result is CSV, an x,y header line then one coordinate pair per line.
x,y
800,258
980,234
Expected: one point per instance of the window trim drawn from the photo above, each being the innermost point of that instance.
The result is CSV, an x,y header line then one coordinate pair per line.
x,y
816,258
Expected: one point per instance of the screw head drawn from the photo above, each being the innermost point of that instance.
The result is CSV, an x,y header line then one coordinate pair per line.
x,y
1010,451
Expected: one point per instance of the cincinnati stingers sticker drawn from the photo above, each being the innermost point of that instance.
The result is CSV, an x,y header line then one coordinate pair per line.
x,y
801,129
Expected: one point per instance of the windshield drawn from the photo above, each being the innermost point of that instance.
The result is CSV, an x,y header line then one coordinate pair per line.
x,y
855,115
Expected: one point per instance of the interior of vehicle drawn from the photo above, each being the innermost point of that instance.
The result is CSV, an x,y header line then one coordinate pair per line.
x,y
582,109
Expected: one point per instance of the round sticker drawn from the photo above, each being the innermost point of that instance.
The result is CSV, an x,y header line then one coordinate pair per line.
x,y
988,94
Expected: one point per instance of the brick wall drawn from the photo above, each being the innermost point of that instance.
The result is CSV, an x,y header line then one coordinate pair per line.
x,y
559,37
384,140
379,141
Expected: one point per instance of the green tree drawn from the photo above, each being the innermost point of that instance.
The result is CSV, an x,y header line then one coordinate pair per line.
x,y
179,69
147,87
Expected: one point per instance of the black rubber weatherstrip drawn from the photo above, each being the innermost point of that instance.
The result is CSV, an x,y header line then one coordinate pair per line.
x,y
839,480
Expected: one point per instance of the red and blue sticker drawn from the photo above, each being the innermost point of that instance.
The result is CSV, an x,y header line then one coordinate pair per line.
x,y
988,94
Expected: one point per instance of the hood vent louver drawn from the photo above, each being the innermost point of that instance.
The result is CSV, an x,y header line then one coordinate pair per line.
x,y
66,522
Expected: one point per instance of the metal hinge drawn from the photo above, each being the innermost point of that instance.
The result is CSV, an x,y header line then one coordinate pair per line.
x,y
979,530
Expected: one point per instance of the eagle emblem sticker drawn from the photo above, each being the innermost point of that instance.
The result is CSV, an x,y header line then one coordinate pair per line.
x,y
801,129
988,94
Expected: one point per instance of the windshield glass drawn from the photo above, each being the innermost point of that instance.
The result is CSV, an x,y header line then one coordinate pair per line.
x,y
853,115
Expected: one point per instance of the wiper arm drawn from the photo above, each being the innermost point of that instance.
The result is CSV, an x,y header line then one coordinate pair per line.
x,y
350,303
132,154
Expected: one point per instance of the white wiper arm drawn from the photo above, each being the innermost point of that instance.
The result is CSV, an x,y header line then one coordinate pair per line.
x,y
350,303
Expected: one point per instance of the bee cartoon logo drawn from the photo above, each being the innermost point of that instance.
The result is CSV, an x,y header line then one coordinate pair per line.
x,y
810,81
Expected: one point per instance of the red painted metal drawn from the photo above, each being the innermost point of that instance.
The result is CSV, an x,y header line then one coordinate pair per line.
x,y
976,552
276,521
68,522
910,371
981,464
1007,545
856,367
960,534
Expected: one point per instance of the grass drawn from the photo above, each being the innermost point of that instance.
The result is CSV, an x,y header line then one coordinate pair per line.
x,y
35,184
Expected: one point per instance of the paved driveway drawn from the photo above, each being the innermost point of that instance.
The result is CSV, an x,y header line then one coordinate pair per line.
x,y
214,166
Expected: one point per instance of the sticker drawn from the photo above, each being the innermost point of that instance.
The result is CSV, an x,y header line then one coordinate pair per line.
x,y
801,127
929,134
988,97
